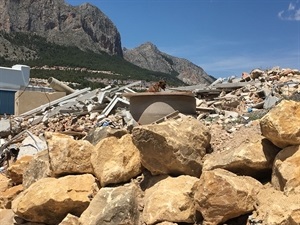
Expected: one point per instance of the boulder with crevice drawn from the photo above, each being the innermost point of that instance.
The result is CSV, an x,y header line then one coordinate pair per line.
x,y
250,155
286,170
170,199
113,205
281,125
49,200
221,195
68,156
174,147
116,160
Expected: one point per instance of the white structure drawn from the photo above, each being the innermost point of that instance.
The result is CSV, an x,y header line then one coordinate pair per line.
x,y
13,78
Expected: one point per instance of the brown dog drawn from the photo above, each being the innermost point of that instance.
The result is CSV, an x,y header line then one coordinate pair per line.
x,y
158,86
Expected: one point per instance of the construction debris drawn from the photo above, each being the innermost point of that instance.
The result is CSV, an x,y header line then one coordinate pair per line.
x,y
232,101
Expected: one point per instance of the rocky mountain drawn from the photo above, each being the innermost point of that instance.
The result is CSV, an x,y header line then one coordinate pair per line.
x,y
84,26
148,56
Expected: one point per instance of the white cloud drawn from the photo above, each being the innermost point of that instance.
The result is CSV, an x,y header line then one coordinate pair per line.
x,y
291,13
291,7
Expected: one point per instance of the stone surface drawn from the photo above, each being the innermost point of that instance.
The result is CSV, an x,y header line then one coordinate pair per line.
x,y
99,133
170,200
149,57
286,170
16,170
250,154
9,195
38,168
68,156
275,208
118,205
281,125
221,195
55,198
70,220
6,216
174,147
121,163
5,182
84,26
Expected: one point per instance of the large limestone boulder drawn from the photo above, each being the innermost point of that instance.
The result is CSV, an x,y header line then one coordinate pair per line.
x,y
49,200
276,208
286,170
170,200
116,160
113,205
174,147
38,168
68,156
282,124
16,170
221,195
248,154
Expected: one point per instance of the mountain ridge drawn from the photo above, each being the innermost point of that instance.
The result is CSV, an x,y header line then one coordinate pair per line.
x,y
89,29
148,56
84,26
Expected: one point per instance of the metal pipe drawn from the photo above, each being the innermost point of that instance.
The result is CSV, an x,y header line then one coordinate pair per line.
x,y
59,86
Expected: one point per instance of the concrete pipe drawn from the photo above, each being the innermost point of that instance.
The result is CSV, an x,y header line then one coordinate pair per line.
x,y
59,86
148,107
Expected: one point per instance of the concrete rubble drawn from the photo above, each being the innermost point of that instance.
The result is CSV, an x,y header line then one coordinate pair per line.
x,y
89,147
231,102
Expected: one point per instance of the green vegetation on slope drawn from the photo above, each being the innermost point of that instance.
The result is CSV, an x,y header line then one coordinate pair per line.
x,y
51,54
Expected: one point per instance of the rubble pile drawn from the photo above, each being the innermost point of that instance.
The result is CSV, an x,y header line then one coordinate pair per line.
x,y
249,97
64,161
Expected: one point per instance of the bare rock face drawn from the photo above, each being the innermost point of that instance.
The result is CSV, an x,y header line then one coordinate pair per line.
x,y
111,206
5,182
221,195
282,124
6,216
84,26
286,170
249,155
16,170
118,164
99,133
68,156
70,220
174,147
9,195
170,200
149,57
49,200
274,207
38,168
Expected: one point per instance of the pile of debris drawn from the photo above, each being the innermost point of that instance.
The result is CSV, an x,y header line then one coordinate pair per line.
x,y
231,102
248,97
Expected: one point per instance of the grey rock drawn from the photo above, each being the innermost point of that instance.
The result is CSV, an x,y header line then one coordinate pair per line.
x,y
99,133
84,26
118,205
149,57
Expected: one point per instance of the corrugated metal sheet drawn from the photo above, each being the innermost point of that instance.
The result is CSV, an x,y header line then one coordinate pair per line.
x,y
7,102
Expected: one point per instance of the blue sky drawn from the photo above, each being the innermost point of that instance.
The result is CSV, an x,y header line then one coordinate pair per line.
x,y
224,37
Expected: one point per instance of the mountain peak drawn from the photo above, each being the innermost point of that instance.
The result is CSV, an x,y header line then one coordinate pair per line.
x,y
84,26
148,56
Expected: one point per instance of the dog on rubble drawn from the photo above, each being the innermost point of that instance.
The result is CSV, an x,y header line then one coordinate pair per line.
x,y
157,87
